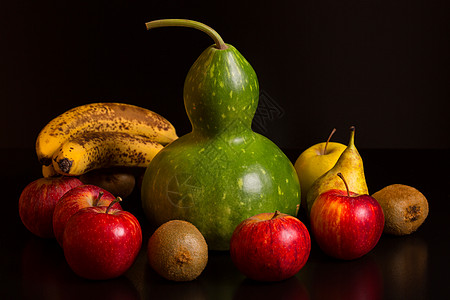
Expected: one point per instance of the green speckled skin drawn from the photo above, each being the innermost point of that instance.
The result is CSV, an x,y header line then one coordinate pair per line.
x,y
222,172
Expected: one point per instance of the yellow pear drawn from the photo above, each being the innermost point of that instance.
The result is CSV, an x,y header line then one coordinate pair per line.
x,y
350,165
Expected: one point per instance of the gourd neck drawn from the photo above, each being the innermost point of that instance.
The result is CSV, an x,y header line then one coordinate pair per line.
x,y
223,130
221,92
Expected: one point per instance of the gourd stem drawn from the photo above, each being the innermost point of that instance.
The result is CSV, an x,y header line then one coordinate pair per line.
x,y
220,44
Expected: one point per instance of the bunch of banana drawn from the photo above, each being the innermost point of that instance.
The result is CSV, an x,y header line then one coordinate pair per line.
x,y
101,135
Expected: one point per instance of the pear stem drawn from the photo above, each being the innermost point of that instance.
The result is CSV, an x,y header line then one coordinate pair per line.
x,y
118,199
100,194
328,140
220,44
352,136
345,182
275,214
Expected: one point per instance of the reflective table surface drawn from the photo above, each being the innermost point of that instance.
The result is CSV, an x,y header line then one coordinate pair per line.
x,y
408,267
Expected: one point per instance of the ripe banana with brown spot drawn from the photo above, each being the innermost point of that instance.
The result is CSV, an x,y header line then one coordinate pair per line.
x,y
94,150
102,117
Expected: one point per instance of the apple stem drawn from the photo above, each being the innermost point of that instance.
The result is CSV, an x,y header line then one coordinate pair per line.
x,y
328,140
275,214
345,182
118,199
100,194
220,44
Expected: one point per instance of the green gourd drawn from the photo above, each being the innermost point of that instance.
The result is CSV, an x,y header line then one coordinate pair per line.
x,y
221,172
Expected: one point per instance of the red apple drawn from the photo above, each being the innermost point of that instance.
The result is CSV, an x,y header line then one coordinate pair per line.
x,y
76,199
101,242
346,225
270,247
38,200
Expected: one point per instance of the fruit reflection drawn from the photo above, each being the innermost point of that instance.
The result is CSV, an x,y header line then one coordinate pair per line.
x,y
157,287
291,288
404,261
359,279
221,277
46,275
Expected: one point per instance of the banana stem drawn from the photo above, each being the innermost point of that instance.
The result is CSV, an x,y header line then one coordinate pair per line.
x,y
220,44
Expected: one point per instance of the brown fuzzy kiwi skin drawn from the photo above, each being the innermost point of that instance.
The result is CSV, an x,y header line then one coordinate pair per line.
x,y
178,251
404,207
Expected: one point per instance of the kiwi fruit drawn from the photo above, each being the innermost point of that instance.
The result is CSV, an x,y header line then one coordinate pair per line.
x,y
118,181
178,251
404,207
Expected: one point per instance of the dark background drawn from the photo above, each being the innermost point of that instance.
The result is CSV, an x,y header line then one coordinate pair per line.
x,y
380,65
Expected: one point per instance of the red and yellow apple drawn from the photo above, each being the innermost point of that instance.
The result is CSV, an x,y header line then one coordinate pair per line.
x,y
346,225
270,247
38,200
80,197
101,242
